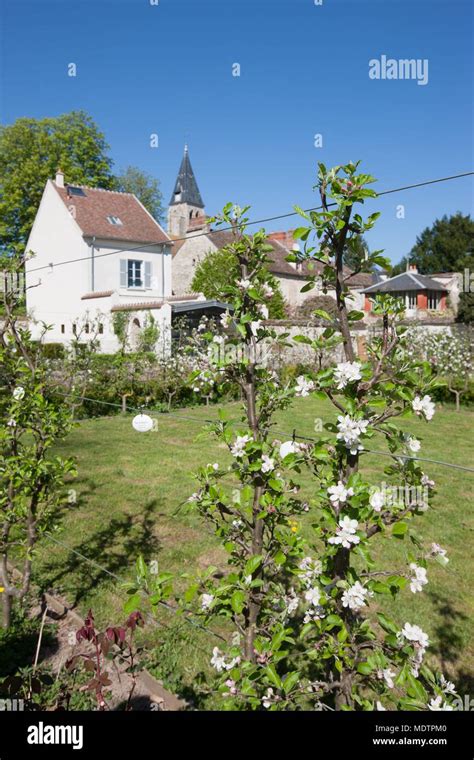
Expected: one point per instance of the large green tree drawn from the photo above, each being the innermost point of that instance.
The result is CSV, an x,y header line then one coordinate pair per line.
x,y
443,247
218,269
31,150
145,187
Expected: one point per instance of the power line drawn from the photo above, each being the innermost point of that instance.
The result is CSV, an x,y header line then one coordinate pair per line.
x,y
251,223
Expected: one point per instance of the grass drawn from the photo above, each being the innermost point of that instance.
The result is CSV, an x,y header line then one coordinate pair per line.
x,y
130,488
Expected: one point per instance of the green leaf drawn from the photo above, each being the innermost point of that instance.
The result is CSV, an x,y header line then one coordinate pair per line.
x,y
364,668
280,558
237,601
399,529
252,564
323,314
270,670
290,680
132,604
387,624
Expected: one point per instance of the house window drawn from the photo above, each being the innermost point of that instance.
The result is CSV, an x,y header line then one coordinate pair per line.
x,y
101,329
63,329
433,299
135,273
86,327
115,220
412,299
74,329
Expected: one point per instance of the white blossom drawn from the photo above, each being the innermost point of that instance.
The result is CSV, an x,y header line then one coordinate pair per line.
x,y
413,444
18,393
303,386
345,533
418,579
225,319
311,569
11,423
415,634
388,676
269,698
355,596
263,309
447,686
347,372
438,551
437,705
350,431
426,481
267,290
219,339
218,661
237,448
423,406
380,707
291,602
268,464
377,500
289,447
206,601
339,494
255,326
313,596
244,284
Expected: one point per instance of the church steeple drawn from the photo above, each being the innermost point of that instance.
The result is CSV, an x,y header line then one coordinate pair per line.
x,y
186,189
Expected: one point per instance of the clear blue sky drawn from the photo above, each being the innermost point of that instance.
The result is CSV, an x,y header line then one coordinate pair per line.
x,y
167,69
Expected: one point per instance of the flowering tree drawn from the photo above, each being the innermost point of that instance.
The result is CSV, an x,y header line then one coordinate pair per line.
x,y
307,633
450,356
31,478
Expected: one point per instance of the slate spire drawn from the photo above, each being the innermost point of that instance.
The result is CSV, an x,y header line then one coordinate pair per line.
x,y
186,189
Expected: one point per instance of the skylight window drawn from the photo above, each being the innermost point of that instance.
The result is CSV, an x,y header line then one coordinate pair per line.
x,y
75,190
115,220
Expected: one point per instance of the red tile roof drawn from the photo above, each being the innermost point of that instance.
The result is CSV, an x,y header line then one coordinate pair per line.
x,y
93,205
97,294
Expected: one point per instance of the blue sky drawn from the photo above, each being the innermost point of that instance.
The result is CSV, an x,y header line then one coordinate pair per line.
x,y
167,69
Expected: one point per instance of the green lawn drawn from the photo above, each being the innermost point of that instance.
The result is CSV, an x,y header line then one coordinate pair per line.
x,y
131,485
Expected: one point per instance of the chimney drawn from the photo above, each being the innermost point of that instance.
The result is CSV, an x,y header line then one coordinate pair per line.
x,y
285,237
59,178
413,268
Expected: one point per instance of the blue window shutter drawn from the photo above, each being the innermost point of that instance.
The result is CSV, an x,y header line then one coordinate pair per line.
x,y
123,273
147,274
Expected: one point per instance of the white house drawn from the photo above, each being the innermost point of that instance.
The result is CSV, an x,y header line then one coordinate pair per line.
x,y
96,252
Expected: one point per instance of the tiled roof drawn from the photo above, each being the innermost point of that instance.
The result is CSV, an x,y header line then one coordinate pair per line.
x,y
92,206
405,281
144,305
98,294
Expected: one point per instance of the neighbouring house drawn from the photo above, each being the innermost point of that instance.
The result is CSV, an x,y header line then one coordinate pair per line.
x,y
420,293
194,239
98,252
